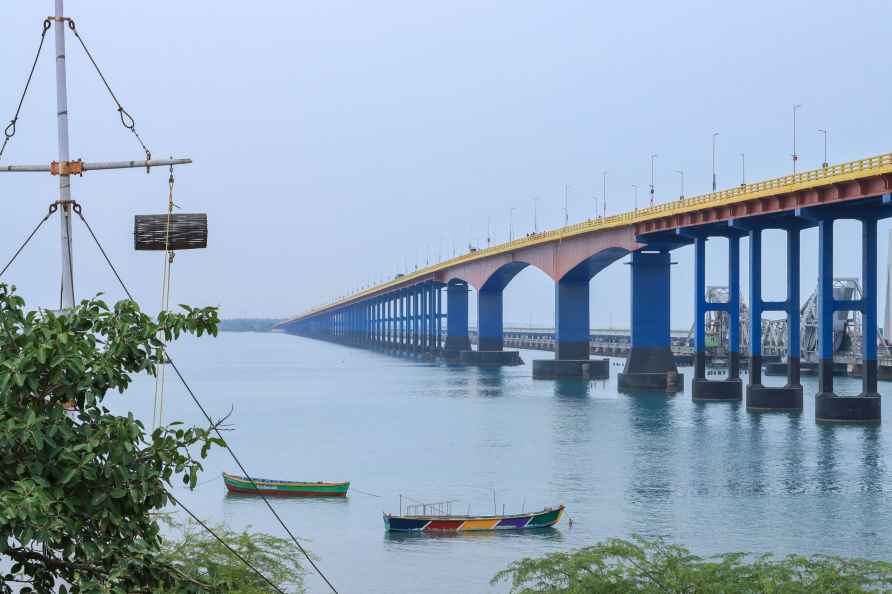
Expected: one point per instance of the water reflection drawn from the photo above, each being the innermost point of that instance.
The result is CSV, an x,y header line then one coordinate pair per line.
x,y
828,444
649,489
490,382
548,534
870,477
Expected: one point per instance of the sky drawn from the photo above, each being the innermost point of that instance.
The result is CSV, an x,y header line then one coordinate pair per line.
x,y
339,143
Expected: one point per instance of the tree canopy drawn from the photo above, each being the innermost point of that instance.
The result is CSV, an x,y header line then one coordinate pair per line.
x,y
80,493
656,567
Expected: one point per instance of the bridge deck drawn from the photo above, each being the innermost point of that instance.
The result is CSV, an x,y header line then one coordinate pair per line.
x,y
845,181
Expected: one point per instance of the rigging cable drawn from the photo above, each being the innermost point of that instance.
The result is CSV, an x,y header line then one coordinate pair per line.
x,y
204,412
126,119
53,207
9,131
165,304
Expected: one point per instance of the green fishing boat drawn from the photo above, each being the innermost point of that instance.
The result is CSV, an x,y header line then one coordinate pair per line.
x,y
240,484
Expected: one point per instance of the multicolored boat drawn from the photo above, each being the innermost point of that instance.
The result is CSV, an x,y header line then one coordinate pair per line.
x,y
448,523
240,484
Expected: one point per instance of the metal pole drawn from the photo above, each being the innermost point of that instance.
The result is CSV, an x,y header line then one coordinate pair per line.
x,y
652,158
714,134
535,215
604,193
511,224
64,180
795,154
826,134
566,211
681,173
635,188
742,170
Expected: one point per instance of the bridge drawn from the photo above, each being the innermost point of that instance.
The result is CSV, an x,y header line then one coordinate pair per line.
x,y
406,314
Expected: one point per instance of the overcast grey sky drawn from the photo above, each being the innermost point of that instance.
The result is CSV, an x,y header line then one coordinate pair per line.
x,y
333,141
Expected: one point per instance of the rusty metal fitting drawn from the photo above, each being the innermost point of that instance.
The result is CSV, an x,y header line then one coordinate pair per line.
x,y
67,167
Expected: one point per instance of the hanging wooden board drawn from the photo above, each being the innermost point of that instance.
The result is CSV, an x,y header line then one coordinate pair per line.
x,y
188,231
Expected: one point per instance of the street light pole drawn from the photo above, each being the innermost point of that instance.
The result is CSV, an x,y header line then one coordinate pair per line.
x,y
714,134
566,211
635,188
535,214
652,157
742,170
488,235
681,173
826,134
511,223
795,154
604,194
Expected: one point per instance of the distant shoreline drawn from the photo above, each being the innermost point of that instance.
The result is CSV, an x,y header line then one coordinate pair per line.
x,y
248,324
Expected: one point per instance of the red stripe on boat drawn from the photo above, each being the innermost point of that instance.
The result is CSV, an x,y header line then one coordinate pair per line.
x,y
444,525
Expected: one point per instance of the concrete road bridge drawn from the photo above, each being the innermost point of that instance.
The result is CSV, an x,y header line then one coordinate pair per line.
x,y
406,313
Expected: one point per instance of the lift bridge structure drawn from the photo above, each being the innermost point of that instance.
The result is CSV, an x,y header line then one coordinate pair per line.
x,y
847,330
406,314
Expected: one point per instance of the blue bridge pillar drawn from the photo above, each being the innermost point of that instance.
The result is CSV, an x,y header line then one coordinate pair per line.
x,y
828,406
572,335
730,388
457,318
572,340
489,320
774,398
490,343
650,364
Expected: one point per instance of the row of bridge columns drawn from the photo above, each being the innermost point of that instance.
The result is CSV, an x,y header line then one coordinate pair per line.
x,y
828,405
409,319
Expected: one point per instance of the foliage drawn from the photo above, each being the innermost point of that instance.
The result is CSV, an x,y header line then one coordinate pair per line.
x,y
656,567
200,556
77,495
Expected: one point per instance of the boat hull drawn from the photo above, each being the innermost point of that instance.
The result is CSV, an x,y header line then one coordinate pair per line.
x,y
541,519
267,487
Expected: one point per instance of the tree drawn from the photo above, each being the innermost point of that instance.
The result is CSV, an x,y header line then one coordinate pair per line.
x,y
657,567
79,496
202,557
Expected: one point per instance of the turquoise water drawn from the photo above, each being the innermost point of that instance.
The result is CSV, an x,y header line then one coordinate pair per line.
x,y
710,476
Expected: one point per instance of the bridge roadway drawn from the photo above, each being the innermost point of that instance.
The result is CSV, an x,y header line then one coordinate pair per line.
x,y
406,313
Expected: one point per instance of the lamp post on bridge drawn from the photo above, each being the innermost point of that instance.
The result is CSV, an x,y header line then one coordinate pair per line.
x,y
652,158
714,135
511,223
826,134
604,194
535,215
742,170
795,154
566,210
681,173
635,189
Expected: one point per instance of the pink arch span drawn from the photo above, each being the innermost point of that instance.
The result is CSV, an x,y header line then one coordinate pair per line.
x,y
555,259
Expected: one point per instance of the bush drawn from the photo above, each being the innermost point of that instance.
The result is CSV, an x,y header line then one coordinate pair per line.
x,y
657,567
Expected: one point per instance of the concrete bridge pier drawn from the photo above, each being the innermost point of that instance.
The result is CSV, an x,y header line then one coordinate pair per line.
x,y
650,364
572,341
774,398
730,389
864,408
490,342
457,339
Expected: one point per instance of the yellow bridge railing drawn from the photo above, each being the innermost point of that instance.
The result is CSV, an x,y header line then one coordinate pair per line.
x,y
788,183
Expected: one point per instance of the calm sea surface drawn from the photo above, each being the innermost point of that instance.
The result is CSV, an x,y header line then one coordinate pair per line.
x,y
709,476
